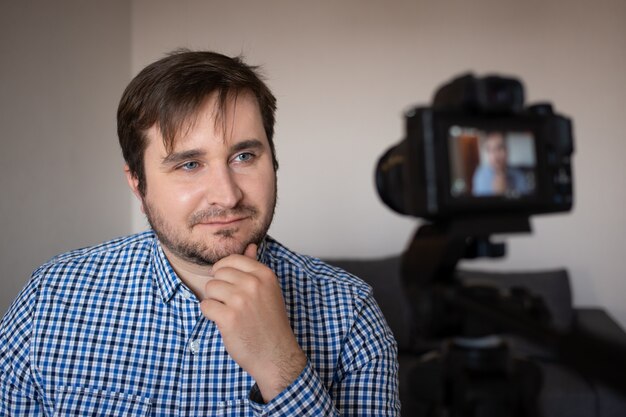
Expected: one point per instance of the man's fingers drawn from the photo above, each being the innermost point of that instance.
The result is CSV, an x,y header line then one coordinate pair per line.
x,y
251,250
212,309
246,262
219,290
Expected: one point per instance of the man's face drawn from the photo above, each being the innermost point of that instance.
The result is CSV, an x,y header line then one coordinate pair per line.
x,y
496,151
215,192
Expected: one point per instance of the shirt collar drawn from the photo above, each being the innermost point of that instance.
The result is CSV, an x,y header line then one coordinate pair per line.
x,y
167,280
263,252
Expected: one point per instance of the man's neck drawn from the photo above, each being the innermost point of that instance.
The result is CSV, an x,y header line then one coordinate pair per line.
x,y
194,276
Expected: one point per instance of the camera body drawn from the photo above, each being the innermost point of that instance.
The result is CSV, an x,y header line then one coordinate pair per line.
x,y
478,151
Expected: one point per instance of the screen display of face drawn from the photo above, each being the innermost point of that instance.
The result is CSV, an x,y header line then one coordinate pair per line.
x,y
491,163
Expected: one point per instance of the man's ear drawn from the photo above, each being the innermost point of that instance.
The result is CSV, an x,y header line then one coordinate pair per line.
x,y
133,183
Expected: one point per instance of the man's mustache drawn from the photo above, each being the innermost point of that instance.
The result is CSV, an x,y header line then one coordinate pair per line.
x,y
213,213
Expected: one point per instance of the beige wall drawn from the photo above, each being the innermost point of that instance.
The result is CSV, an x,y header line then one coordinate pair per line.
x,y
62,67
343,72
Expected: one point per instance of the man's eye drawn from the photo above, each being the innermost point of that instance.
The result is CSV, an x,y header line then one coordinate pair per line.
x,y
189,166
244,157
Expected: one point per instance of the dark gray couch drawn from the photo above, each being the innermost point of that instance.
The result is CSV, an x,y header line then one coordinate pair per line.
x,y
565,392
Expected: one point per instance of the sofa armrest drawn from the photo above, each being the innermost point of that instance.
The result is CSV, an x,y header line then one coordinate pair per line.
x,y
598,322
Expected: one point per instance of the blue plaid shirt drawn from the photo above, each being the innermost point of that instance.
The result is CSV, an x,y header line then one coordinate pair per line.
x,y
112,331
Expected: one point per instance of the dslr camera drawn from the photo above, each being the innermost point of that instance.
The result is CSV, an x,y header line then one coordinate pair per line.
x,y
479,151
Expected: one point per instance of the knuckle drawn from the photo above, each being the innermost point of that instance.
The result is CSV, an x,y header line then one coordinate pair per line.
x,y
238,301
253,286
229,319
210,285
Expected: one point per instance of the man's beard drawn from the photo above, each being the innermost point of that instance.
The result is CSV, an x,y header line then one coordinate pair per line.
x,y
202,252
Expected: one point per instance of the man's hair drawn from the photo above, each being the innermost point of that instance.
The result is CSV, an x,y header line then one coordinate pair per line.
x,y
169,93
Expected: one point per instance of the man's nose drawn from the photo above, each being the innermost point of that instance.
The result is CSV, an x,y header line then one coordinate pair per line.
x,y
222,188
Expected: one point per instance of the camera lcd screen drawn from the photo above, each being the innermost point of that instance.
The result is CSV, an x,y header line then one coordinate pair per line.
x,y
491,163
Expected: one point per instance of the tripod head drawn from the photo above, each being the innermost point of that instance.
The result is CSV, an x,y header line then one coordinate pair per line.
x,y
429,276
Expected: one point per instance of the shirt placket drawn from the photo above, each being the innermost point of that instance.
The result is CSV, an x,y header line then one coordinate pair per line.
x,y
197,329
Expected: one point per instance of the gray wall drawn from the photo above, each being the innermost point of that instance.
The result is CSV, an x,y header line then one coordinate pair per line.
x,y
63,65
343,72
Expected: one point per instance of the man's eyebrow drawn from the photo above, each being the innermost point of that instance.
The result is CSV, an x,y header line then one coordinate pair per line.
x,y
176,157
247,144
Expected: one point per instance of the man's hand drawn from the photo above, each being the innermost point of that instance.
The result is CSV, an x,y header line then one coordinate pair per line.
x,y
245,301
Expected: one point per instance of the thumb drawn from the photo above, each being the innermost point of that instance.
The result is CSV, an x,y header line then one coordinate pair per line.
x,y
251,250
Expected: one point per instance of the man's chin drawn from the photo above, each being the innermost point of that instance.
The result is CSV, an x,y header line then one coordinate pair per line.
x,y
222,247
228,246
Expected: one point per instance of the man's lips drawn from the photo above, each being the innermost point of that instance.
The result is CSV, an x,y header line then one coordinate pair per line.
x,y
221,222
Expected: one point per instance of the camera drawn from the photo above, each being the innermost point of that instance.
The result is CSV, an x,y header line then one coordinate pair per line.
x,y
478,151
478,163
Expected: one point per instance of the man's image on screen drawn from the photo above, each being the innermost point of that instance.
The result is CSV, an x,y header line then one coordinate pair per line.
x,y
494,176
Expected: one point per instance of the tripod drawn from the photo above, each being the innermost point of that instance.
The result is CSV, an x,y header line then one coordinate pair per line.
x,y
475,373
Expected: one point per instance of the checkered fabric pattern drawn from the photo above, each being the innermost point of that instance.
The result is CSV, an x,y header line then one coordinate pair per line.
x,y
112,331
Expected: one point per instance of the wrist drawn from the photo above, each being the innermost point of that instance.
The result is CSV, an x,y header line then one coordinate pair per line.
x,y
280,374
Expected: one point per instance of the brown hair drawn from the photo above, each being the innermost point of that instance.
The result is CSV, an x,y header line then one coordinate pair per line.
x,y
169,92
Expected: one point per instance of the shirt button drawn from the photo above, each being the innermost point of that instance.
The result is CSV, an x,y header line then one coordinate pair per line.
x,y
185,294
194,346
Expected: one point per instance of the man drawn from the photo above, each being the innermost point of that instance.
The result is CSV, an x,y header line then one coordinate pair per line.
x,y
205,314
496,178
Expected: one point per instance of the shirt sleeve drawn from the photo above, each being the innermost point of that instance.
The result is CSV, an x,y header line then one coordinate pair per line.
x,y
366,381
18,395
482,181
